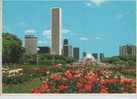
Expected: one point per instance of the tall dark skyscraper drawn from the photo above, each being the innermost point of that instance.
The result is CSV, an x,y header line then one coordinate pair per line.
x,y
65,48
56,31
76,53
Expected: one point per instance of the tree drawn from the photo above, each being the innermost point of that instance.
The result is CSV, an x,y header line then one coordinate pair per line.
x,y
12,49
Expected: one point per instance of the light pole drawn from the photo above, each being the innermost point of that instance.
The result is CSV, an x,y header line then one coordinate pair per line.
x,y
37,60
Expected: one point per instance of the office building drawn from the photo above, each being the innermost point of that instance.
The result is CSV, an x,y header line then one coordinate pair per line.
x,y
95,55
101,55
127,50
56,31
65,48
76,53
44,50
30,44
84,54
70,51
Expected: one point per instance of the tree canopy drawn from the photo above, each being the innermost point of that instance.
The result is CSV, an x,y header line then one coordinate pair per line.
x,y
12,49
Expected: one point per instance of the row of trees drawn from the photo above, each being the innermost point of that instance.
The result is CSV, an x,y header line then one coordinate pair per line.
x,y
46,59
14,53
119,60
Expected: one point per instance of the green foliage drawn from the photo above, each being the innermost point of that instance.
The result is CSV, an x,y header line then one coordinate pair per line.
x,y
115,88
12,49
118,60
31,59
46,59
25,87
72,87
15,79
96,88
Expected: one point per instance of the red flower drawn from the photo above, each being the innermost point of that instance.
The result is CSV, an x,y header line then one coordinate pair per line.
x,y
88,87
128,81
68,74
79,86
103,89
91,78
45,86
56,77
103,82
111,81
62,88
36,90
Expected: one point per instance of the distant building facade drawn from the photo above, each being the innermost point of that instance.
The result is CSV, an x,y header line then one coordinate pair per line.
x,y
95,55
30,44
65,48
101,55
56,31
44,50
127,50
76,53
70,51
84,54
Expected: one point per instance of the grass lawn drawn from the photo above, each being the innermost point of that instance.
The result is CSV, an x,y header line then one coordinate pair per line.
x,y
25,87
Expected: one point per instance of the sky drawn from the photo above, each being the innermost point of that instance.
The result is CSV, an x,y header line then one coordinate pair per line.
x,y
94,26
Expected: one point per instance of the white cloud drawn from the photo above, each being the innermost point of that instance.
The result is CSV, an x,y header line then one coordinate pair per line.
x,y
97,2
122,15
98,38
83,38
42,42
47,33
22,23
88,4
65,31
30,31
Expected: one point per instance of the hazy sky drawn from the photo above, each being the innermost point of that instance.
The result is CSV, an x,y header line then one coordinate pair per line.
x,y
92,25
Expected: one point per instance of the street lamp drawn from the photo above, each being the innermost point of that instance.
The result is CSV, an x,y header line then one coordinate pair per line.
x,y
37,60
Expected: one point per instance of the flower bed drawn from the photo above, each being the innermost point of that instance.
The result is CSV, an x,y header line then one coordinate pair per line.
x,y
84,80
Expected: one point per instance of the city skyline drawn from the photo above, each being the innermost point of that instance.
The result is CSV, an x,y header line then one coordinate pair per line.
x,y
83,25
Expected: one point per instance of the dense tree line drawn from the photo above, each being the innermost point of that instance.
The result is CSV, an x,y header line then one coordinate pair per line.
x,y
46,59
119,60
